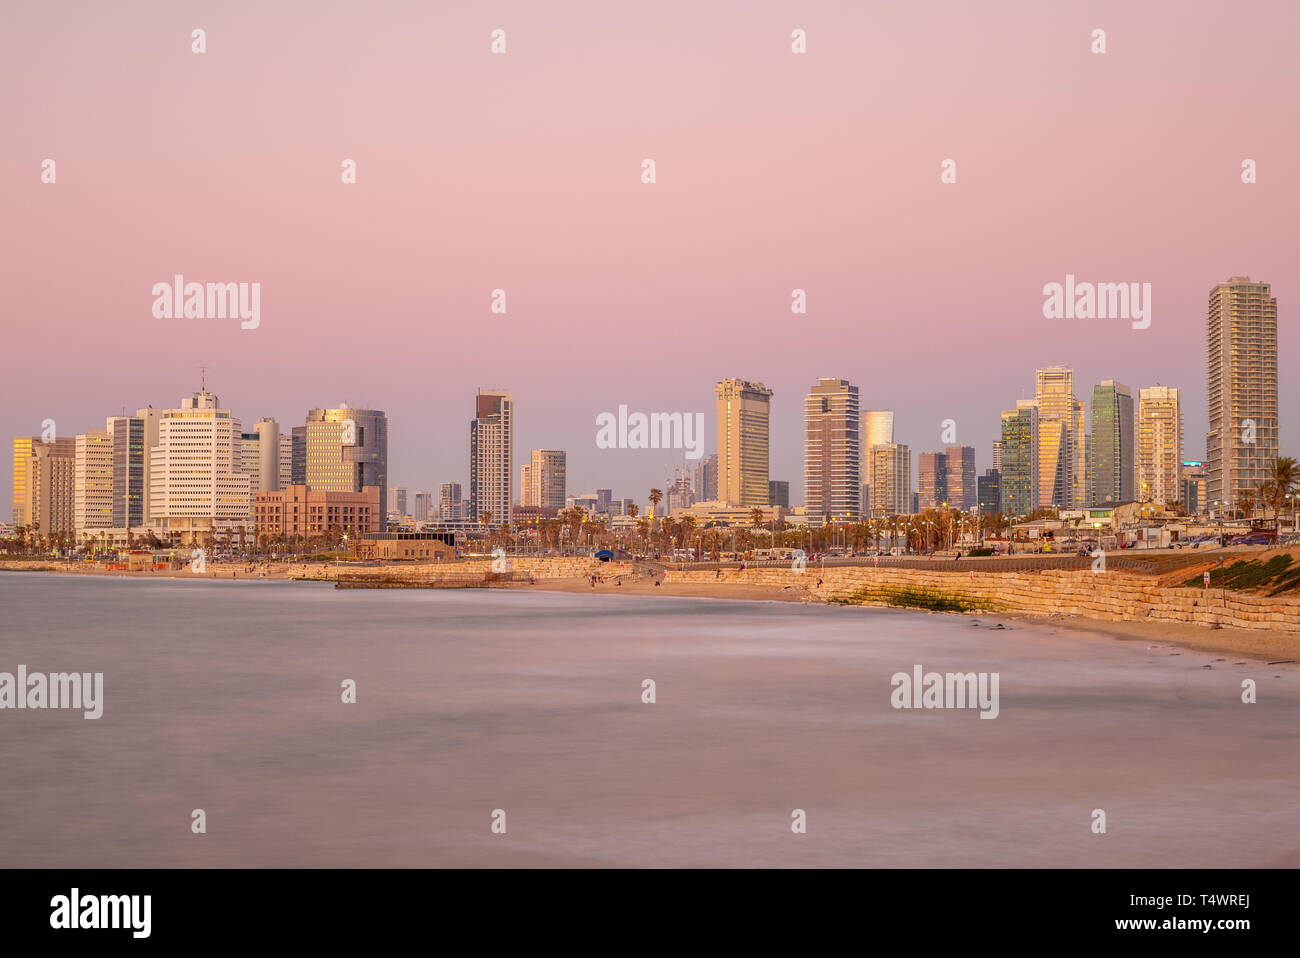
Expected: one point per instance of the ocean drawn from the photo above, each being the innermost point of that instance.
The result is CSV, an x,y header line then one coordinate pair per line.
x,y
525,709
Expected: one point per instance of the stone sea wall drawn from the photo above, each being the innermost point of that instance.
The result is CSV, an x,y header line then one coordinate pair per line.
x,y
1112,596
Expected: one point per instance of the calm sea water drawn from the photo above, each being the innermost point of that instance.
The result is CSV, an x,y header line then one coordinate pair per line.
x,y
226,697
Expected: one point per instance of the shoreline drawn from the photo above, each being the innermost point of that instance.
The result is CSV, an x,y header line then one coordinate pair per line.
x,y
1276,648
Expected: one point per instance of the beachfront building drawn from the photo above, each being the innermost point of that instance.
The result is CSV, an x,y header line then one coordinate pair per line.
x,y
197,483
1241,372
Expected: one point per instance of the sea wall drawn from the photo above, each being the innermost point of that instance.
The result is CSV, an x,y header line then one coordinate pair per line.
x,y
1112,596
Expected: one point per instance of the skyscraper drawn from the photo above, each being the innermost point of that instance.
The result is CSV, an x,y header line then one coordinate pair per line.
x,y
778,493
92,483
298,456
197,483
832,451
347,450
1020,474
1061,443
547,479
997,455
1111,450
1241,368
891,485
42,483
962,491
398,503
491,455
1159,444
743,442
450,502
423,507
130,468
877,430
932,480
706,479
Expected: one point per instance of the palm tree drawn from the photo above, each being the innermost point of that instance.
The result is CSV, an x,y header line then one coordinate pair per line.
x,y
1274,490
633,511
1246,503
656,497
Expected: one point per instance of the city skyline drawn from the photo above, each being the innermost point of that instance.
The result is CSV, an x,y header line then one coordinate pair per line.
x,y
695,271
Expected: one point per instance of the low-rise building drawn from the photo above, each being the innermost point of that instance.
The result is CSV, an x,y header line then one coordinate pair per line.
x,y
301,510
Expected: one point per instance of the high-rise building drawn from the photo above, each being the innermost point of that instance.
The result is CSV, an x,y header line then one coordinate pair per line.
x,y
1159,444
706,479
451,507
129,435
997,455
891,485
347,450
832,451
397,501
268,455
744,409
778,493
491,455
962,492
249,445
1192,486
1111,447
932,480
1241,334
1061,442
43,484
197,483
990,491
545,482
678,495
298,456
286,460
92,483
1019,474
877,430
423,507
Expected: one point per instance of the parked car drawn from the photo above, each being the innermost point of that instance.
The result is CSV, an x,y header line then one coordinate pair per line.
x,y
1254,539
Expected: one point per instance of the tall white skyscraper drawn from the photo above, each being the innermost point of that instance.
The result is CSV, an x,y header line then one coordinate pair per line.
x,y
491,455
1241,371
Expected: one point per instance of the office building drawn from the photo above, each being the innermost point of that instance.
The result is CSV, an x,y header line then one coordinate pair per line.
x,y
832,451
347,450
197,483
1019,473
744,409
1111,447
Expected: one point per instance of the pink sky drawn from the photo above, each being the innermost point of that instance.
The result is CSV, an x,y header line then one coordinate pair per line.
x,y
521,171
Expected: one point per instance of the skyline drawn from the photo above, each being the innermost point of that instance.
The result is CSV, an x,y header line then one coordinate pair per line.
x,y
1084,398
772,176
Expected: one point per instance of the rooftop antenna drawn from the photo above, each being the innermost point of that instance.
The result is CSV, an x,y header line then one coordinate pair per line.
x,y
203,378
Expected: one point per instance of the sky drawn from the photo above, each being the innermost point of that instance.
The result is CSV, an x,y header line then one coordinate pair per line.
x,y
522,171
